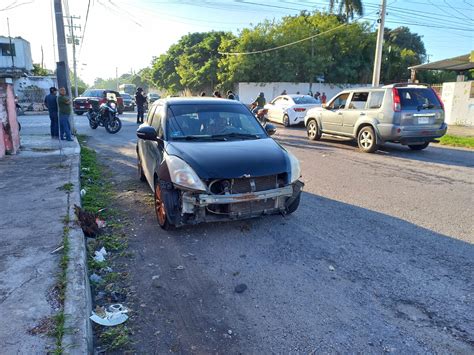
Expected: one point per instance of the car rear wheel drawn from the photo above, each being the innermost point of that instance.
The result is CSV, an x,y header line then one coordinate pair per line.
x,y
419,146
366,140
286,121
313,131
160,208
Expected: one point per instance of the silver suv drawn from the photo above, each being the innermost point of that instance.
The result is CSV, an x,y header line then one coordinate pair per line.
x,y
410,114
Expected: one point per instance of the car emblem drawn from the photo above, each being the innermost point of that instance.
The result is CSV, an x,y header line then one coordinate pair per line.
x,y
246,175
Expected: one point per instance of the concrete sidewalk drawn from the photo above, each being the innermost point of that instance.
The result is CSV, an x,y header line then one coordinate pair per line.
x,y
33,207
462,131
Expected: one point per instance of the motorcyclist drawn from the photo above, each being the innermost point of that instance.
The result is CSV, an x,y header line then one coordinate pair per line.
x,y
259,102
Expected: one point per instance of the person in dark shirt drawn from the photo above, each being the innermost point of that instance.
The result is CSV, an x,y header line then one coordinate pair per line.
x,y
50,101
140,100
230,95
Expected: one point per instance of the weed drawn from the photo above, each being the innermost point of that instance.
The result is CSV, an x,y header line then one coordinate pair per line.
x,y
68,187
113,243
112,277
116,338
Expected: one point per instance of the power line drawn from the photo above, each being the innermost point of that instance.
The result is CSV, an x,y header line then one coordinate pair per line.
x,y
447,3
85,26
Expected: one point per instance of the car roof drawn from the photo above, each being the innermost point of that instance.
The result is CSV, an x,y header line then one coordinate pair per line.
x,y
196,100
297,95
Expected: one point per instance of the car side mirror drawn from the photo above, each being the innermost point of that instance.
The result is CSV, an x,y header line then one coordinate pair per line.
x,y
271,129
147,133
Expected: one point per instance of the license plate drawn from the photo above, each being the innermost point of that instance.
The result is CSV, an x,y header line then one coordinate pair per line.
x,y
423,120
81,106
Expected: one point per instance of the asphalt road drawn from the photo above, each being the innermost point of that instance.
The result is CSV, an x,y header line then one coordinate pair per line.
x,y
378,258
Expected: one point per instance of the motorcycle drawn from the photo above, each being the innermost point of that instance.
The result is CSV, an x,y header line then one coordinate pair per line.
x,y
260,115
104,115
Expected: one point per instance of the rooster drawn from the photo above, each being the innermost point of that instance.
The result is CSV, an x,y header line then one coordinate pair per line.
x,y
87,221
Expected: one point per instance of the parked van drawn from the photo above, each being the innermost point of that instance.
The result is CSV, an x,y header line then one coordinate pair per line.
x,y
409,114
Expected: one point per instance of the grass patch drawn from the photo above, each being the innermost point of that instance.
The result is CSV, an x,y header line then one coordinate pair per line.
x,y
457,141
98,192
116,337
68,187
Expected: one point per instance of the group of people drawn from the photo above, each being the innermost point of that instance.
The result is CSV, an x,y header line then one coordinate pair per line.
x,y
59,109
229,95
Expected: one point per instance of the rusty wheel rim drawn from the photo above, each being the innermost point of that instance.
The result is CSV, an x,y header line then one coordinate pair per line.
x,y
159,206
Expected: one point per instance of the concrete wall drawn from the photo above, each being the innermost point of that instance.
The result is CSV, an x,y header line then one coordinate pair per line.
x,y
31,91
458,103
22,56
249,91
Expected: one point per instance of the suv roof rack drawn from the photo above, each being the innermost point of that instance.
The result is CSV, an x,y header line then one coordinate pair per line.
x,y
398,85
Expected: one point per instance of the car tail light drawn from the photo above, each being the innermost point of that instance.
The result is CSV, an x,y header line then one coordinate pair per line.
x,y
439,98
102,101
299,109
396,100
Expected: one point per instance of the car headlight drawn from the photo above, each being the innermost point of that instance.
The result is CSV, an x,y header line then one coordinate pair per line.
x,y
183,175
295,172
113,105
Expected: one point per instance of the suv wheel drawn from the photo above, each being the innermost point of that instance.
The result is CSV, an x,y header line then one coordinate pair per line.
x,y
419,146
313,131
366,140
286,121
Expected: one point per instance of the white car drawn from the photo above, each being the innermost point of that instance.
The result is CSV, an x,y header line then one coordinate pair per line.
x,y
290,109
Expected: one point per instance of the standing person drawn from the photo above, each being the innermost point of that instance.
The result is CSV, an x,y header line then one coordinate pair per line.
x,y
259,102
217,94
323,98
203,94
140,100
64,108
51,103
284,92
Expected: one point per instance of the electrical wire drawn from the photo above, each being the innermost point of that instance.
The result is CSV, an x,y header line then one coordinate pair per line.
x,y
447,3
84,29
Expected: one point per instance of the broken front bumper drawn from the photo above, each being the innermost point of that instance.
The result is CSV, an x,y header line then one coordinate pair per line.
x,y
201,207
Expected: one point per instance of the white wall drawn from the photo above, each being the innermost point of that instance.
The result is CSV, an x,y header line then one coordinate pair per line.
x,y
249,91
22,56
31,91
458,105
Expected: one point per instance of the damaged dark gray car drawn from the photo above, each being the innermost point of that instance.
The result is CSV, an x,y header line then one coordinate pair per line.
x,y
210,159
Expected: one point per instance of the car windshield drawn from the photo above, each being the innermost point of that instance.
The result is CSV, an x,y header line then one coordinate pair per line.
x,y
212,121
93,93
304,100
418,99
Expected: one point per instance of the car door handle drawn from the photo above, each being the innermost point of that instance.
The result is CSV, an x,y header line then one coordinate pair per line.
x,y
339,113
362,114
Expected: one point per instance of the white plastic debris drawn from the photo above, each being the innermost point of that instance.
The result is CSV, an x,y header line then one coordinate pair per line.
x,y
331,268
83,192
100,255
100,223
86,169
180,267
113,315
95,278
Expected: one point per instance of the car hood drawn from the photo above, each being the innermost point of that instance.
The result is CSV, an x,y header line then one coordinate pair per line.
x,y
232,159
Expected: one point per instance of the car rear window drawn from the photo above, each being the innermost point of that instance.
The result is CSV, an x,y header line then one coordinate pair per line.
x,y
92,93
305,100
418,99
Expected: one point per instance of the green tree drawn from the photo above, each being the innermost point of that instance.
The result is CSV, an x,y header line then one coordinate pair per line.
x,y
39,71
347,8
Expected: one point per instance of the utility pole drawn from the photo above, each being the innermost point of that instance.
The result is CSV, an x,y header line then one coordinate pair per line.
x,y
75,41
62,70
11,45
379,46
311,74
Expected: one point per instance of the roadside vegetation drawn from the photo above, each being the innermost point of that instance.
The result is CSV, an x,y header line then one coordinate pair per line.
x,y
110,286
457,141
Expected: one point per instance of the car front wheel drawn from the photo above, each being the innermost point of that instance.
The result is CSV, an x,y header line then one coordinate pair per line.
x,y
286,121
366,140
313,131
160,208
419,146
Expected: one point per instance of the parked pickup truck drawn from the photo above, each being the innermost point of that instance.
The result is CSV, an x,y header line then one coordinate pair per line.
x,y
81,104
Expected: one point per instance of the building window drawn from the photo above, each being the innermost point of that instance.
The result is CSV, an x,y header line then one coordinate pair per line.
x,y
7,51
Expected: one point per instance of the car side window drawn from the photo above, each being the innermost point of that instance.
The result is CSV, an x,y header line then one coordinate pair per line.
x,y
375,99
150,115
339,103
277,101
156,123
358,101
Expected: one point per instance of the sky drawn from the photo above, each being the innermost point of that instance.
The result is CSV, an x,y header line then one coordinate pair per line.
x,y
125,35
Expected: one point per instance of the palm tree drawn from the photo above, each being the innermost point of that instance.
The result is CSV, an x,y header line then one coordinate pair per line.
x,y
347,7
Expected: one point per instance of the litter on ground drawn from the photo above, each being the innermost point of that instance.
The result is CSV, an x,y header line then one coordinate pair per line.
x,y
114,315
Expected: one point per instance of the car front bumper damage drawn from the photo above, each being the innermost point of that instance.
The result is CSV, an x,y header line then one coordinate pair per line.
x,y
202,207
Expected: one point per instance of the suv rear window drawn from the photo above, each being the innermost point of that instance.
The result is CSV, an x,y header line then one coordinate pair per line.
x,y
418,99
93,93
302,100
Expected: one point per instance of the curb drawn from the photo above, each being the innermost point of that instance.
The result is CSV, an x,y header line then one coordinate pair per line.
x,y
78,301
